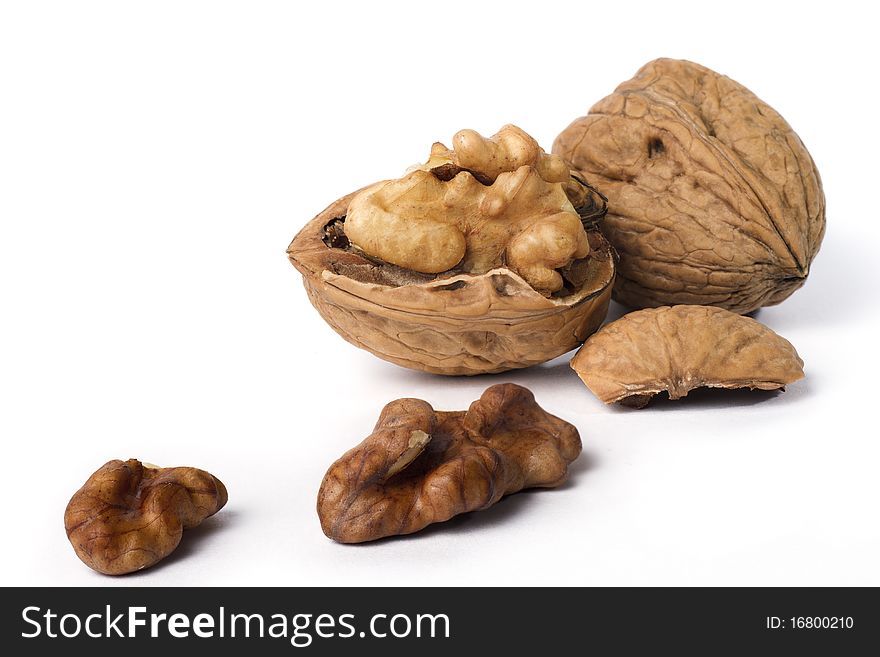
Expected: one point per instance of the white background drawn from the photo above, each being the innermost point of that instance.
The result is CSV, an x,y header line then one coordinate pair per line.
x,y
155,161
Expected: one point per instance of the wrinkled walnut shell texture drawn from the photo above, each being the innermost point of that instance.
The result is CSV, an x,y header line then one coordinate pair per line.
x,y
679,348
128,516
454,324
713,199
421,466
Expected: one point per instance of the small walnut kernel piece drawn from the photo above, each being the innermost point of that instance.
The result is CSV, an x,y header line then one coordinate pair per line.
x,y
712,197
421,466
487,202
676,349
129,516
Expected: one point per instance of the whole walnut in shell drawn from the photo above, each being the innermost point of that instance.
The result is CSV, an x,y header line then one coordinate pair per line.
x,y
129,515
421,466
676,349
712,197
484,259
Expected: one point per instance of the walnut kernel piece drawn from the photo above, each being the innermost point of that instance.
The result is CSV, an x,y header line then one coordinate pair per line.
x,y
421,466
129,516
712,197
486,203
676,349
508,150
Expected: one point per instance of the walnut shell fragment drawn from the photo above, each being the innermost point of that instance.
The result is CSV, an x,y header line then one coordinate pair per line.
x,y
460,270
129,516
421,466
712,197
676,349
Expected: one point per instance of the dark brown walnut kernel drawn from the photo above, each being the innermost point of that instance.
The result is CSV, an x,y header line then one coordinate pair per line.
x,y
129,516
680,348
421,466
712,197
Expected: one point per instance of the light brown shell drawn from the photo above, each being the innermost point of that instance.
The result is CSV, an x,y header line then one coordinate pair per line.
x,y
421,466
454,323
676,349
712,197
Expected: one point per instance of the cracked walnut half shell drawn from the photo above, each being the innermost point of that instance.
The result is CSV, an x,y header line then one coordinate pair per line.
x,y
675,349
484,259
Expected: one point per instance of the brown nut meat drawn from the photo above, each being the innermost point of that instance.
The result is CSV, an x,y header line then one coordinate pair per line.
x,y
712,197
521,286
421,466
129,516
679,348
488,202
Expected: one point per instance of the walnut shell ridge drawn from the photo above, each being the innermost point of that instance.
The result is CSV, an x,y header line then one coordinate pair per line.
x,y
129,516
676,349
455,323
712,197
421,466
